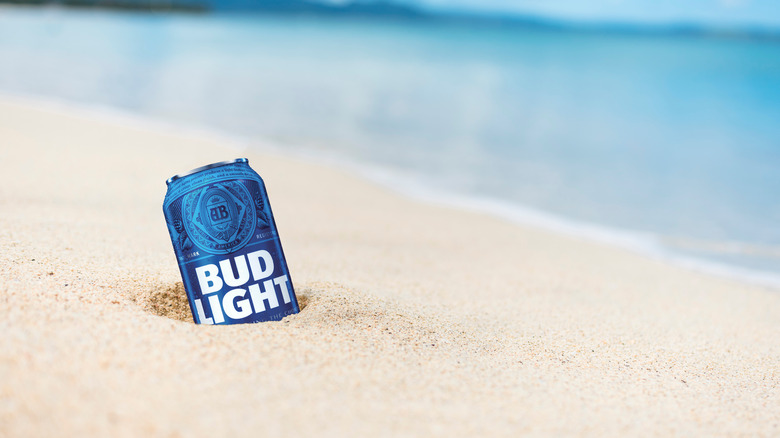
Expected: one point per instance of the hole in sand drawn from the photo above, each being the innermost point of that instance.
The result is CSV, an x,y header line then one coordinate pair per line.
x,y
303,299
170,302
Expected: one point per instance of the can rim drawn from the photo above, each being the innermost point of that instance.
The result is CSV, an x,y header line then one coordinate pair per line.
x,y
206,167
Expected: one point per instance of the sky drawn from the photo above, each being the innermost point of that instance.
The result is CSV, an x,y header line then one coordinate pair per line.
x,y
762,13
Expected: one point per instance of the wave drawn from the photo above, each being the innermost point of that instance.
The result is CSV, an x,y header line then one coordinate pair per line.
x,y
413,187
647,244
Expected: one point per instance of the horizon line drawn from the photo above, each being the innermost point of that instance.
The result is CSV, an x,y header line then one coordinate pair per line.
x,y
394,11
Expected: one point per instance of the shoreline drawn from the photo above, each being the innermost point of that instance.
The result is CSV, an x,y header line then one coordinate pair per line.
x,y
645,244
417,319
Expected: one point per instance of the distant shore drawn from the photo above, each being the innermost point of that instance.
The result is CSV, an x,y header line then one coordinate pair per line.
x,y
417,320
393,11
119,5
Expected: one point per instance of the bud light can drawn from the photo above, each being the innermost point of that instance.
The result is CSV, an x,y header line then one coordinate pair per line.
x,y
227,246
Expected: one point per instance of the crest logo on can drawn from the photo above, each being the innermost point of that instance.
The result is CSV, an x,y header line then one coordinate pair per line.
x,y
222,217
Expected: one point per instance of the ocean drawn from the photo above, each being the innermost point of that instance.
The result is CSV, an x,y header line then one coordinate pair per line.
x,y
665,144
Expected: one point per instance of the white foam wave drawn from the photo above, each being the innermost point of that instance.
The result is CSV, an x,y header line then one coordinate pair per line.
x,y
647,244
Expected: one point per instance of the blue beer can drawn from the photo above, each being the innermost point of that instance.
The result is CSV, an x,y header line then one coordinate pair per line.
x,y
225,239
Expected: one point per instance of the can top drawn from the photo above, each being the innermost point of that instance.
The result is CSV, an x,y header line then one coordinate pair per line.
x,y
206,167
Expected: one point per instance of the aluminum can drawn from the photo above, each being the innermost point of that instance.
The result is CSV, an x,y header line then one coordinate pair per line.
x,y
225,240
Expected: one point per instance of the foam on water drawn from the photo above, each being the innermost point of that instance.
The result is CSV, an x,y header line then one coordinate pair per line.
x,y
643,243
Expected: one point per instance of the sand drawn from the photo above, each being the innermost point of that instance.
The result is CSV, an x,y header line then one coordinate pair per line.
x,y
418,320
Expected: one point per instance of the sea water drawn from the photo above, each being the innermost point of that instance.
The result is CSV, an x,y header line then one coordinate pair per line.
x,y
662,143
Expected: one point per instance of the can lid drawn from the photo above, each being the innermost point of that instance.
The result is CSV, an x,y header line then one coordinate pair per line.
x,y
206,167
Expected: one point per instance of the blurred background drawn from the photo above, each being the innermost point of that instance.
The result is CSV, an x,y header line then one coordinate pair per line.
x,y
653,125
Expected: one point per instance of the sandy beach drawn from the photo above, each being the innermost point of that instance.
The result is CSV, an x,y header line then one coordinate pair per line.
x,y
417,320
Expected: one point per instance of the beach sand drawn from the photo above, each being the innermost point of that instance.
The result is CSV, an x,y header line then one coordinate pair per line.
x,y
418,320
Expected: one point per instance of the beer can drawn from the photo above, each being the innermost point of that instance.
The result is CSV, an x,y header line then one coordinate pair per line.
x,y
227,246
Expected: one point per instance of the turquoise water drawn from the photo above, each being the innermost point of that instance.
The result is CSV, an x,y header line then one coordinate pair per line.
x,y
672,141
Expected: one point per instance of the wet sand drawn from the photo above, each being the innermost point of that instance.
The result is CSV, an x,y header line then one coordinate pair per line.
x,y
418,320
